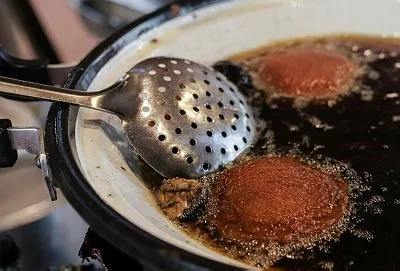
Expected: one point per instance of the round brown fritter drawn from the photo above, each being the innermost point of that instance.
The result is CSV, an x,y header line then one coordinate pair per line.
x,y
306,72
277,199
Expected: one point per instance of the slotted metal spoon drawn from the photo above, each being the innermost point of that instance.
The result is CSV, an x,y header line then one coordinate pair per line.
x,y
182,118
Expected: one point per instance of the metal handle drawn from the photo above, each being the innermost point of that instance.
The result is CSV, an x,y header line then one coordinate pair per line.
x,y
31,140
28,139
8,155
95,100
34,70
43,92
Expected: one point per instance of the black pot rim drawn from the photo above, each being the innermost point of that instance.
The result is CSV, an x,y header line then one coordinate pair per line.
x,y
110,225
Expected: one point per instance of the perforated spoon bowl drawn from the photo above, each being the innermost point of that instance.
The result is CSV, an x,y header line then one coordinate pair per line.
x,y
182,118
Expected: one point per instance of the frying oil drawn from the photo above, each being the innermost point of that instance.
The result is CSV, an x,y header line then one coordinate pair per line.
x,y
354,134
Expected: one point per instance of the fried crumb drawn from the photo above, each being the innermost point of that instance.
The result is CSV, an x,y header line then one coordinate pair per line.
x,y
175,9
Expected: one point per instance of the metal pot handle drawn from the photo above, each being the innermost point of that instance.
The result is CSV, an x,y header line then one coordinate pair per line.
x,y
29,70
28,139
36,70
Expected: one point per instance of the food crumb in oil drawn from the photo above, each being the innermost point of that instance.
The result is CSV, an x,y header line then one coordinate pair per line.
x,y
367,95
396,118
392,95
175,9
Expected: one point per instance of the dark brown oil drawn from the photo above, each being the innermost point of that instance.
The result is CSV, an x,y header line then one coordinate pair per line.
x,y
358,131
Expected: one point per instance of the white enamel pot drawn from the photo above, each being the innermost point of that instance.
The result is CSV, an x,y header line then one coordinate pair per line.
x,y
89,160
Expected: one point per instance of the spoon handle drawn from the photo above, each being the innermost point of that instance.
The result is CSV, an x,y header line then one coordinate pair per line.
x,y
54,94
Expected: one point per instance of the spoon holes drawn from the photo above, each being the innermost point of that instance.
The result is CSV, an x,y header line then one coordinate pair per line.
x,y
182,112
182,86
152,123
189,160
178,131
196,109
244,140
232,102
208,93
224,134
167,117
241,102
206,166
208,149
144,95
220,104
208,106
221,117
248,129
195,96
206,82
247,116
221,89
209,119
194,125
219,78
161,137
178,98
223,151
235,147
233,127
192,80
209,133
175,150
192,142
231,89
236,116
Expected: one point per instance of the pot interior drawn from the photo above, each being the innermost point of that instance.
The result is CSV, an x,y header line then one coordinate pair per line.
x,y
206,35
